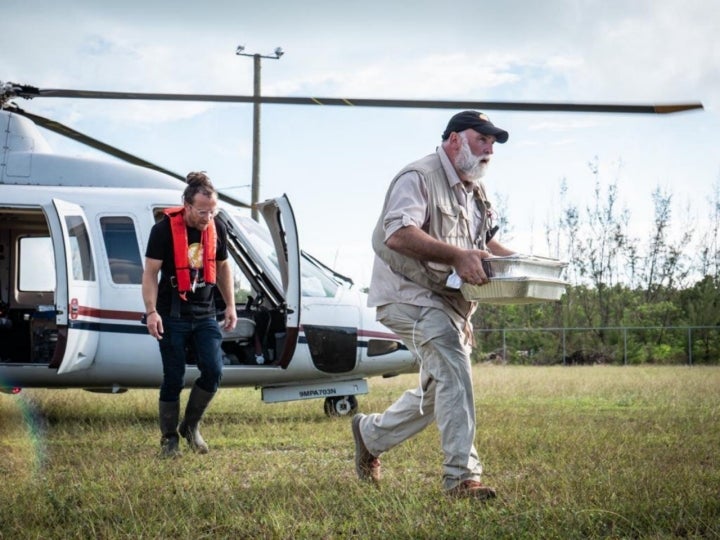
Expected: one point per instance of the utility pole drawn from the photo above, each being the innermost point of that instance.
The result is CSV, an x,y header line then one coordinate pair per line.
x,y
255,186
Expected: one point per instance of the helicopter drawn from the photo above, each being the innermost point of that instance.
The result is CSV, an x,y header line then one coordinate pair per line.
x,y
72,231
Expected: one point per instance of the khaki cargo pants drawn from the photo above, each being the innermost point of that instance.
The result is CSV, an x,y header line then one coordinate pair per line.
x,y
445,393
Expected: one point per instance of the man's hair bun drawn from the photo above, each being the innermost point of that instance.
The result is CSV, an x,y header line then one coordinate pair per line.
x,y
197,182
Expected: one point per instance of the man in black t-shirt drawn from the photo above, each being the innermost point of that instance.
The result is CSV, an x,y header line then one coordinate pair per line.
x,y
188,250
160,247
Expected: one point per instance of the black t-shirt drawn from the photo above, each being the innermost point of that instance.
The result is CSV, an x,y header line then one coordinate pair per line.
x,y
160,246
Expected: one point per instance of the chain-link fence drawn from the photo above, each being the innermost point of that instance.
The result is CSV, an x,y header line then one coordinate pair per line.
x,y
600,345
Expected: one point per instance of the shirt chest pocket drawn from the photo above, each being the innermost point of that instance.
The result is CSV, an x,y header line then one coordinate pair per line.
x,y
453,221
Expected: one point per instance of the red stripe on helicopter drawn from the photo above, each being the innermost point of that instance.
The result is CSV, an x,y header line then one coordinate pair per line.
x,y
98,313
375,334
88,311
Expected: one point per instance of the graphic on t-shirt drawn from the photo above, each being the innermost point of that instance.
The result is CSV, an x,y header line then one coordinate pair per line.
x,y
195,259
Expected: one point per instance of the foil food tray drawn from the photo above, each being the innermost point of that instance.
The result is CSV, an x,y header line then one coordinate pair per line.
x,y
514,290
523,266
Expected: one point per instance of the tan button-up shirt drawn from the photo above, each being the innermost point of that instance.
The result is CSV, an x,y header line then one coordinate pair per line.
x,y
408,205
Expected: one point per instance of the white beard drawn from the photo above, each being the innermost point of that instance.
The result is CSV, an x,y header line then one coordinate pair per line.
x,y
468,163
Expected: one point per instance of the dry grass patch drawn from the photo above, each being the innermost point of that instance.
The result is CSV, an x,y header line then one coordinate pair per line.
x,y
574,452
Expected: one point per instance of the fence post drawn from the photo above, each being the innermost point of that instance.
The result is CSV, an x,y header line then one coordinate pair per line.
x,y
624,346
690,345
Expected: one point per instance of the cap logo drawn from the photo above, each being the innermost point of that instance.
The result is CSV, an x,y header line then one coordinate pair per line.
x,y
483,117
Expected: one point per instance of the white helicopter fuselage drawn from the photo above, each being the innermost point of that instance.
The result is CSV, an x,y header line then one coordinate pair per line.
x,y
72,238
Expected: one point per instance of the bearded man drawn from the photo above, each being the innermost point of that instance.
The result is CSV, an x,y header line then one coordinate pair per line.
x,y
436,219
188,250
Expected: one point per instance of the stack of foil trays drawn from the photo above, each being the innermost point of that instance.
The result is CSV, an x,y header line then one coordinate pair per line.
x,y
518,279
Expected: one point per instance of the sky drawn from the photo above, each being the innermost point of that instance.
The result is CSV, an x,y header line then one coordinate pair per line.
x,y
335,163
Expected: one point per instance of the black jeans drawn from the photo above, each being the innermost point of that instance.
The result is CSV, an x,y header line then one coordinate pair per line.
x,y
206,337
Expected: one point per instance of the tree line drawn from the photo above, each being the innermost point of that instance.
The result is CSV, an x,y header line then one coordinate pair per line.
x,y
657,284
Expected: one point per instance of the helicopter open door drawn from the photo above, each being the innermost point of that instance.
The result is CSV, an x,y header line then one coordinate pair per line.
x,y
280,219
77,292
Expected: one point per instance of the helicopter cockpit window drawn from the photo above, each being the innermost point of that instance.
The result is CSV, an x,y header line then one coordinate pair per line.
x,y
121,246
314,281
243,289
83,268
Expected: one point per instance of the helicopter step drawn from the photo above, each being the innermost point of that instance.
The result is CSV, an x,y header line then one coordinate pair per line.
x,y
339,396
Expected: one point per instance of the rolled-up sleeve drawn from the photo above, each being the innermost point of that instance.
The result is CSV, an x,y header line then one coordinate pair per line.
x,y
407,204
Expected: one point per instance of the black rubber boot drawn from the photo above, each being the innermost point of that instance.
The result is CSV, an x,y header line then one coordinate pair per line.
x,y
170,441
196,405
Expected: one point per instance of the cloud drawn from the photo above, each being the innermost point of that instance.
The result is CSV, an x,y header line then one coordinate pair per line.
x,y
567,124
432,76
665,53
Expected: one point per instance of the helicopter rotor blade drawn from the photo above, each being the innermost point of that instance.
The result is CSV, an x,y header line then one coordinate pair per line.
x,y
30,92
75,135
10,90
232,200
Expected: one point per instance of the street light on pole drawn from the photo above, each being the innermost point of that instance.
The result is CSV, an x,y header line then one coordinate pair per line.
x,y
255,191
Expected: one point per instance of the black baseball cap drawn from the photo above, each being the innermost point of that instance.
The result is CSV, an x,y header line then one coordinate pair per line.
x,y
477,121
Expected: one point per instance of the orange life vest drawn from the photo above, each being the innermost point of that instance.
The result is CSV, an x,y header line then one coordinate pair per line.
x,y
208,240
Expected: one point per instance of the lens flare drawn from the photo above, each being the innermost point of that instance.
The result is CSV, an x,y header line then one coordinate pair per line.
x,y
22,450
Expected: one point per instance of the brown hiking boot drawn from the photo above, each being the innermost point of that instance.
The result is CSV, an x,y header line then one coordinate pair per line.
x,y
472,489
367,466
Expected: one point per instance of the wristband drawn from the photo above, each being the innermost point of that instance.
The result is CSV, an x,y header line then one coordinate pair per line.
x,y
151,312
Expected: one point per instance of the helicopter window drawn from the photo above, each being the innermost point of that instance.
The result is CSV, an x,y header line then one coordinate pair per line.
x,y
121,245
259,237
314,281
159,213
82,262
243,289
32,272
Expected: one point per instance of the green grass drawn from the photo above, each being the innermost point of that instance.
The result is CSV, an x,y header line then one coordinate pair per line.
x,y
594,452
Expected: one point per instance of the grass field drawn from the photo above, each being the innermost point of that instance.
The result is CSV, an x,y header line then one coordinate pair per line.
x,y
594,452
